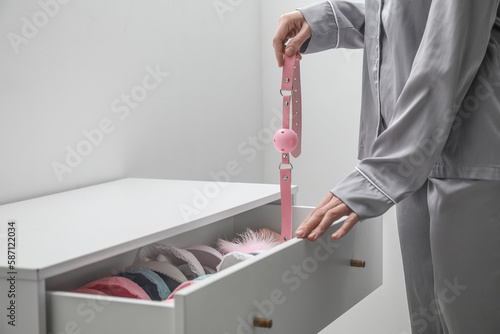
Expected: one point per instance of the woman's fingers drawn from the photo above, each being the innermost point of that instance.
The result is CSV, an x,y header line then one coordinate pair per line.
x,y
279,40
346,226
327,219
321,218
311,220
321,204
294,46
291,26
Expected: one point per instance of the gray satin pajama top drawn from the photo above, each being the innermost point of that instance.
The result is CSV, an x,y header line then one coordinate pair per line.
x,y
430,99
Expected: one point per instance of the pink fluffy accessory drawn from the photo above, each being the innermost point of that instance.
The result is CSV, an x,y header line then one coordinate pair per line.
x,y
249,241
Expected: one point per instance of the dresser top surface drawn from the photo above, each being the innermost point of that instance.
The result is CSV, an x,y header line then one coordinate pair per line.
x,y
96,221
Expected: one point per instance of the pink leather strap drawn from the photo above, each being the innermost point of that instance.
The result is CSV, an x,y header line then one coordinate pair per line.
x,y
286,79
292,99
286,197
290,89
297,108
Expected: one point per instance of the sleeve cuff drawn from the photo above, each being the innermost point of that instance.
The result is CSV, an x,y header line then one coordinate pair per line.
x,y
324,27
362,196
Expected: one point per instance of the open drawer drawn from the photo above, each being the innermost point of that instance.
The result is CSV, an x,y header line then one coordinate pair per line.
x,y
301,286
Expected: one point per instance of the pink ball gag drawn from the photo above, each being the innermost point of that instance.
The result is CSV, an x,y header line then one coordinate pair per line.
x,y
285,140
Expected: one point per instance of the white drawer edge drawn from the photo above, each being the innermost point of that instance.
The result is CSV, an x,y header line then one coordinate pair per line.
x,y
70,312
123,300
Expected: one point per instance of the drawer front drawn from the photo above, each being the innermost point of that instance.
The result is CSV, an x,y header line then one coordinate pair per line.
x,y
301,286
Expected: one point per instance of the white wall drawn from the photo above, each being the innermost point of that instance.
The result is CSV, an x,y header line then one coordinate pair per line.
x,y
218,103
72,72
331,83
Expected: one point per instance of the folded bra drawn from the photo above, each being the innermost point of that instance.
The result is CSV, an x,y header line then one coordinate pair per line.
x,y
186,262
208,257
115,286
170,298
149,281
170,274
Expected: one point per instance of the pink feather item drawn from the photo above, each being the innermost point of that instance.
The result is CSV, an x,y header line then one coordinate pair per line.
x,y
249,241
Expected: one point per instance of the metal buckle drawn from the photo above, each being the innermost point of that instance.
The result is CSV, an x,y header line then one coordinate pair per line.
x,y
289,164
291,91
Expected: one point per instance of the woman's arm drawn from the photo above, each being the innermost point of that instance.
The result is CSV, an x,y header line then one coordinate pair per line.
x,y
319,27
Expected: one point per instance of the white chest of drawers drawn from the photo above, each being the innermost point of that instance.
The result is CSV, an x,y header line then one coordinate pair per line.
x,y
66,240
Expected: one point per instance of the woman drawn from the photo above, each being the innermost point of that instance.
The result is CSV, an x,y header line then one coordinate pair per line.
x,y
429,142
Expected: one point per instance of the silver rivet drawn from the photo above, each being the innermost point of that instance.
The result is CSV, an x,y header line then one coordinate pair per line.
x,y
287,80
285,156
285,177
285,238
286,103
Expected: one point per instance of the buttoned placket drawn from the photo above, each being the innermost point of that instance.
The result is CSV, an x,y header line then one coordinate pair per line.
x,y
377,67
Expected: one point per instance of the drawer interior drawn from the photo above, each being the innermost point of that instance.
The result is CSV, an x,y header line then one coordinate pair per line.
x,y
74,279
267,216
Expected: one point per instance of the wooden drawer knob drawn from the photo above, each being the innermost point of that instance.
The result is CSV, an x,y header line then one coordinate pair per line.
x,y
358,263
261,322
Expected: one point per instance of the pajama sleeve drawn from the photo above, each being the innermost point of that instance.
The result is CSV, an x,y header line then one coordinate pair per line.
x,y
452,48
333,25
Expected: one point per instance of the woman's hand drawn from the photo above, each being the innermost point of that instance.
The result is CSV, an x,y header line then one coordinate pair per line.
x,y
291,25
321,218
